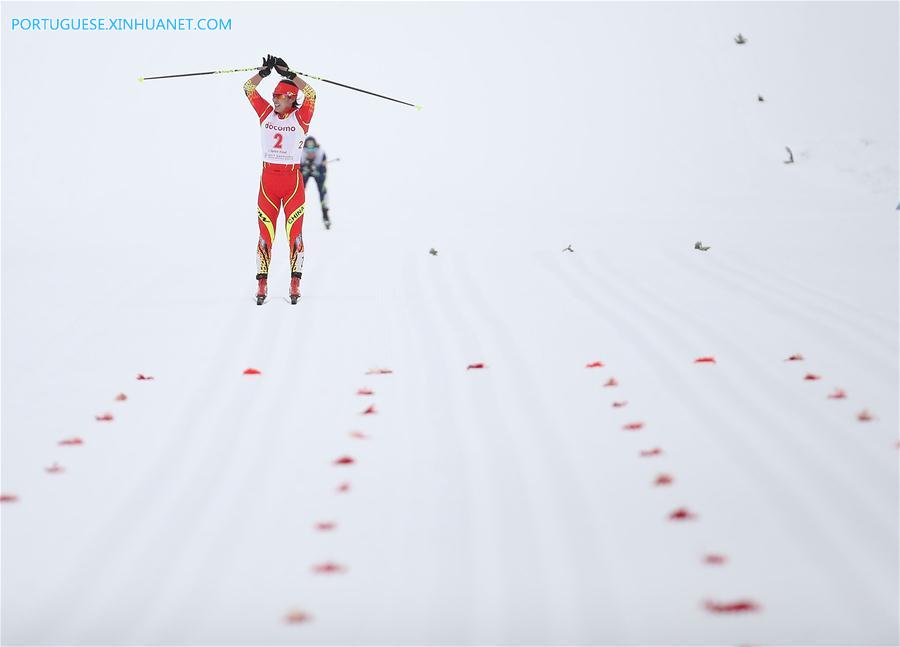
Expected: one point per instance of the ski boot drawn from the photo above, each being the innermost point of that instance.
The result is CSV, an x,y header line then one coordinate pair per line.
x,y
326,219
261,290
295,287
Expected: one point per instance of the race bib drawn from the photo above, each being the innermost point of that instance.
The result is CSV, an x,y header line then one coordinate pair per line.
x,y
282,139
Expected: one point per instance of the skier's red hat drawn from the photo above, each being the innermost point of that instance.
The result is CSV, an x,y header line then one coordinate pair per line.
x,y
285,88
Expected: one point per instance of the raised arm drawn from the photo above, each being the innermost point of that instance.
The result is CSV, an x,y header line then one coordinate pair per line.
x,y
262,107
308,106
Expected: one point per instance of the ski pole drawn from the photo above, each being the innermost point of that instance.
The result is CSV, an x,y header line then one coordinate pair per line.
x,y
336,159
350,87
172,76
309,76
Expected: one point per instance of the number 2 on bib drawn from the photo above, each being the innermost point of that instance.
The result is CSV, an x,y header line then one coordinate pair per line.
x,y
278,139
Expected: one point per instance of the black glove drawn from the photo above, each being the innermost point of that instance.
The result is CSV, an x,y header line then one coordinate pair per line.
x,y
267,64
284,69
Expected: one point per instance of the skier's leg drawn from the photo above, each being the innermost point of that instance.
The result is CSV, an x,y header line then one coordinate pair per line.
x,y
267,215
294,207
323,198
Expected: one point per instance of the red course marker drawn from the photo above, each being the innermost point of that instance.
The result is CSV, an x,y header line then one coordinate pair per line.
x,y
379,371
106,417
838,394
252,371
297,617
633,426
611,382
141,376
56,468
369,410
812,377
864,416
471,366
714,559
656,451
594,365
620,404
343,487
72,441
682,514
738,606
365,392
663,479
795,358
358,435
8,498
326,525
344,460
328,568
121,397
705,360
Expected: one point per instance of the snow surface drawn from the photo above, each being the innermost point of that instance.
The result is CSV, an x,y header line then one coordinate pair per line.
x,y
503,505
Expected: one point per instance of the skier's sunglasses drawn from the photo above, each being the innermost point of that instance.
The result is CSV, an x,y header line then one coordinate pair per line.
x,y
282,97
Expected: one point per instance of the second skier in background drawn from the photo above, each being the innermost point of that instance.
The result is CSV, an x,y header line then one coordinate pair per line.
x,y
315,165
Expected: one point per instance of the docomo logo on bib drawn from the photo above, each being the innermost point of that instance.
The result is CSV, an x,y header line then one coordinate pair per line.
x,y
274,127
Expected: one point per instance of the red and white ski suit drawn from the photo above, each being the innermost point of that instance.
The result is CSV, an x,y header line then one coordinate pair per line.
x,y
281,182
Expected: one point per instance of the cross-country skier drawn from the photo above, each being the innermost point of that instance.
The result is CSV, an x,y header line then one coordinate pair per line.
x,y
314,165
283,129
